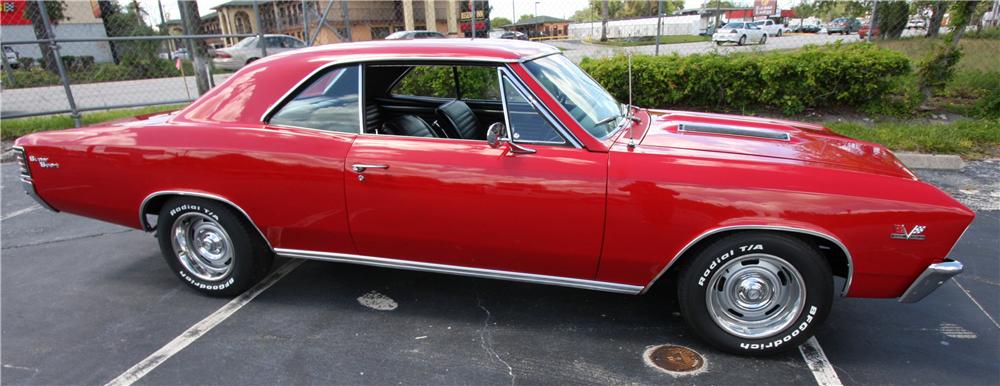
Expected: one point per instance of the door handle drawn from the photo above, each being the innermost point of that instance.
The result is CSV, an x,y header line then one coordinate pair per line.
x,y
360,168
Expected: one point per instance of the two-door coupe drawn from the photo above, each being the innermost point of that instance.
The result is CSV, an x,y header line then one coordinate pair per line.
x,y
502,159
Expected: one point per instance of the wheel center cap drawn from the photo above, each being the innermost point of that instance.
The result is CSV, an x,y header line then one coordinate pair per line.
x,y
753,292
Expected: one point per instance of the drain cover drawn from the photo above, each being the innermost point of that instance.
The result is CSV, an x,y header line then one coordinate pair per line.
x,y
675,359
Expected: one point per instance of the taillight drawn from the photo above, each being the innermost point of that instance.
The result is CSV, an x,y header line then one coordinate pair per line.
x,y
222,55
22,163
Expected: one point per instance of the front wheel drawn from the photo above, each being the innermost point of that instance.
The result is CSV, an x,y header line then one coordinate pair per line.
x,y
210,247
763,39
756,293
743,40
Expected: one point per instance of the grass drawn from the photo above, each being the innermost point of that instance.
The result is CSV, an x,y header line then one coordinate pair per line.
x,y
668,39
971,139
13,128
977,56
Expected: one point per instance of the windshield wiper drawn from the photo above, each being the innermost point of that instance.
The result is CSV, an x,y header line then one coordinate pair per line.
x,y
606,120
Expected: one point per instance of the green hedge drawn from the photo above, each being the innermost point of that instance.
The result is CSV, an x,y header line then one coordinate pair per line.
x,y
847,75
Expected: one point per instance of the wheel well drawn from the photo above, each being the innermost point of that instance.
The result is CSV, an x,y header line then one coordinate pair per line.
x,y
833,251
153,203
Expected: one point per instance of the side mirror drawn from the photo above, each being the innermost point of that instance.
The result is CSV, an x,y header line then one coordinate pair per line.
x,y
496,134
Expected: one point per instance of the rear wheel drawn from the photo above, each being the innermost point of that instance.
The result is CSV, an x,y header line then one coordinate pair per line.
x,y
756,293
210,247
251,60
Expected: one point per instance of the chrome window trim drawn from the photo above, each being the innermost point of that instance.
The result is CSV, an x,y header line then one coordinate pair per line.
x,y
534,78
289,94
146,227
362,61
460,270
834,240
541,107
534,103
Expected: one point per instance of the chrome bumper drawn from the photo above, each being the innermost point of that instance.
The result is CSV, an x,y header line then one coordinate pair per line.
x,y
930,280
29,188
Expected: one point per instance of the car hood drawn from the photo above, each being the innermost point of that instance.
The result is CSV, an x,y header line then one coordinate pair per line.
x,y
764,137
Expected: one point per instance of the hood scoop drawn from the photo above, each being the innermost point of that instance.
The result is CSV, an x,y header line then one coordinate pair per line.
x,y
733,130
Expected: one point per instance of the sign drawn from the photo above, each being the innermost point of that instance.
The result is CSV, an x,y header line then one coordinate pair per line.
x,y
766,8
467,15
12,13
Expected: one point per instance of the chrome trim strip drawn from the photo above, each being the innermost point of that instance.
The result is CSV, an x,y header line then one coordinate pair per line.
x,y
738,131
267,113
539,56
834,240
930,280
538,105
459,270
146,227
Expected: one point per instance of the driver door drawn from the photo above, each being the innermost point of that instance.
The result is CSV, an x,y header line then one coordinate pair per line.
x,y
458,202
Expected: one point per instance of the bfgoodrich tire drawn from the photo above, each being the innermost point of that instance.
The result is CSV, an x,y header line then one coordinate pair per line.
x,y
756,293
210,247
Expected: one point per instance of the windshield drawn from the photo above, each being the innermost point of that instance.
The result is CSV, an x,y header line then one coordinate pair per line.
x,y
733,25
589,103
760,22
247,42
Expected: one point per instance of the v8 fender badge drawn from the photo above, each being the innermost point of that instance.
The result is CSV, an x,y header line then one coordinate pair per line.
x,y
43,162
916,233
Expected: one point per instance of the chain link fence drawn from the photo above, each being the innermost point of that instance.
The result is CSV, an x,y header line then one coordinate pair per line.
x,y
71,57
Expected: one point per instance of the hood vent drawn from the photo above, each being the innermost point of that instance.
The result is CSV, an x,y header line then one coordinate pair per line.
x,y
733,130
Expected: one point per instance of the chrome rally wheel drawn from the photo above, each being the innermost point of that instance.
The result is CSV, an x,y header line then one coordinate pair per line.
x,y
211,247
755,296
202,246
756,292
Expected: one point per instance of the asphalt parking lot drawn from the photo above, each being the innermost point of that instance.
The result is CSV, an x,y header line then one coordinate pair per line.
x,y
84,301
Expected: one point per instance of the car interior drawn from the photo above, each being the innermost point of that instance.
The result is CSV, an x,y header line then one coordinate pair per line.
x,y
422,100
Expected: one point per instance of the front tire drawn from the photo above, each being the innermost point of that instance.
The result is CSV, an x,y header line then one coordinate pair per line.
x,y
210,247
763,39
743,40
756,293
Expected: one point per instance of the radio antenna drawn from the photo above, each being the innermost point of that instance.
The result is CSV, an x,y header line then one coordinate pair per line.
x,y
628,111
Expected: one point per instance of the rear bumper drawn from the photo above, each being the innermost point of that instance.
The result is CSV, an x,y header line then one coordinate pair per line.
x,y
930,280
29,188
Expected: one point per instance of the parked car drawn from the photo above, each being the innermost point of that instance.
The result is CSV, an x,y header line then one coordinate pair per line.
x,y
740,33
771,28
525,170
863,32
916,23
514,35
179,53
248,50
12,57
843,25
406,35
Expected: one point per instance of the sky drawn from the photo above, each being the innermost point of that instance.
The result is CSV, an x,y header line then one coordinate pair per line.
x,y
505,8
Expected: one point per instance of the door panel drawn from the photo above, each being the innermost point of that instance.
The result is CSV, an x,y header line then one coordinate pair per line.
x,y
463,203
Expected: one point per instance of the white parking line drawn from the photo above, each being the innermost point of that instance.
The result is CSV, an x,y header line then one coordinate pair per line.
x,y
821,367
18,213
967,293
192,334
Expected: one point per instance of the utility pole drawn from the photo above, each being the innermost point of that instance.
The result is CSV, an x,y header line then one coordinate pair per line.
x,y
604,20
163,24
873,22
472,4
659,25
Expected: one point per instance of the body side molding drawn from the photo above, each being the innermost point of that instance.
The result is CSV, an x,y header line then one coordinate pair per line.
x,y
462,271
834,240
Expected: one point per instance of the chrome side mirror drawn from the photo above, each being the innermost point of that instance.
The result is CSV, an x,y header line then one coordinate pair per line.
x,y
496,134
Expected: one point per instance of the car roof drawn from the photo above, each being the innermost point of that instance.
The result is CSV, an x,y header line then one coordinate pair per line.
x,y
238,100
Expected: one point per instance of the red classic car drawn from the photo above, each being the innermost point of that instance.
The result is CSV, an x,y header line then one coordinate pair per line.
x,y
502,159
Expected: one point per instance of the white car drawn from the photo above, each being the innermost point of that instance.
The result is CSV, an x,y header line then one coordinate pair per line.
x,y
771,28
248,50
740,33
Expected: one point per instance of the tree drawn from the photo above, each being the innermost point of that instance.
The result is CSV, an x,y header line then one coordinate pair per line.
x,y
500,21
938,67
54,10
604,21
525,18
938,8
891,18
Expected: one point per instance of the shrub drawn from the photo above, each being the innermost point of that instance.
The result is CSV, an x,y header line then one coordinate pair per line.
x,y
25,63
851,75
988,106
33,77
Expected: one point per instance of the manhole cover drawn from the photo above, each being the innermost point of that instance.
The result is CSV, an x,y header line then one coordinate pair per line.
x,y
675,359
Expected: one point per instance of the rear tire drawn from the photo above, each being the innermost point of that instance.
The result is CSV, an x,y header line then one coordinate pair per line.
x,y
211,247
756,293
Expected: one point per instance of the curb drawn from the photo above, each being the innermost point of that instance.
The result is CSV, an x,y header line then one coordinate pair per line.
x,y
931,161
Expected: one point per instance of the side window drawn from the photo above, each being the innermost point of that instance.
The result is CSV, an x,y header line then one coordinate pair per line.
x,y
329,103
293,43
427,81
478,83
526,123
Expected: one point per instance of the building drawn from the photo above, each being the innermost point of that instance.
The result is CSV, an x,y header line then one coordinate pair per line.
x,y
82,19
344,20
541,26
